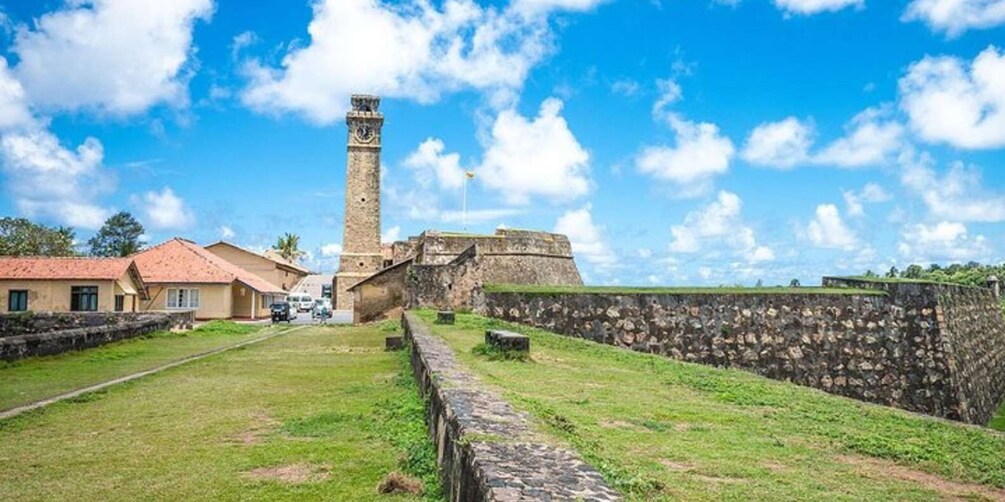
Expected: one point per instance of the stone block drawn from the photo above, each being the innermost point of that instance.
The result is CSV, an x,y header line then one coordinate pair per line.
x,y
507,340
445,317
394,343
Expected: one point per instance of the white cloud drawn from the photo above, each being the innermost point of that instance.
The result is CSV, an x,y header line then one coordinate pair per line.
x,y
701,152
956,196
429,164
951,101
116,57
539,157
870,139
166,211
644,253
827,230
226,232
670,92
586,237
870,193
941,242
241,41
330,250
47,180
536,7
477,215
392,234
956,16
625,87
781,144
808,7
14,111
719,222
421,53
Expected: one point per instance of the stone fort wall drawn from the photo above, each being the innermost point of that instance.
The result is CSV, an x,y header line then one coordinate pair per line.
x,y
933,349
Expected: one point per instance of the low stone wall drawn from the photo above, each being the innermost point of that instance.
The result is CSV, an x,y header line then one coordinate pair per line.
x,y
380,294
486,450
91,333
897,349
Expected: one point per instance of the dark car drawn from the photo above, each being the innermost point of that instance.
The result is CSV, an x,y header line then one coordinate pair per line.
x,y
281,312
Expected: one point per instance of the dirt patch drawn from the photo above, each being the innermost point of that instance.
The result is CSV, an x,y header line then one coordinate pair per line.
x,y
291,474
682,427
397,482
949,490
774,466
261,425
677,466
354,350
618,424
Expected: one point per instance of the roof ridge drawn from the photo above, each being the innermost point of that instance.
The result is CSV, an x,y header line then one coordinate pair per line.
x,y
190,246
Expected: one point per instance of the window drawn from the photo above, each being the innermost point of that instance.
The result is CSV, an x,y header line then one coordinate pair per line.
x,y
17,300
182,298
120,303
84,298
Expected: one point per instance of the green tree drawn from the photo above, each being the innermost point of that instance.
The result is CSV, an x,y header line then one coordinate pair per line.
x,y
893,273
914,272
20,237
794,283
119,236
288,247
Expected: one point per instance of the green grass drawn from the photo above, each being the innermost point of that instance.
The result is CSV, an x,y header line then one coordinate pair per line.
x,y
330,399
665,430
631,290
998,421
29,380
904,280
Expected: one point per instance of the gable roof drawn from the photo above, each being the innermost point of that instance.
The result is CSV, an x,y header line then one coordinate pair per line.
x,y
269,254
183,261
273,255
56,268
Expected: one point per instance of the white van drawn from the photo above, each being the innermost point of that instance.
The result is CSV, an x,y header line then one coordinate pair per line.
x,y
302,301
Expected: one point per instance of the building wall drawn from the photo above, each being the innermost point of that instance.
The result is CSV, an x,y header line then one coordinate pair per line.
x,y
54,296
258,265
380,295
242,302
911,348
450,286
215,301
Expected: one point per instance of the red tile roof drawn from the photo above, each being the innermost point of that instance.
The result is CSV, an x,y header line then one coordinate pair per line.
x,y
184,262
56,268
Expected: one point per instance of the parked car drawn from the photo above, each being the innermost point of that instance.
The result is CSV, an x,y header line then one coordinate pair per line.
x,y
281,311
302,301
322,305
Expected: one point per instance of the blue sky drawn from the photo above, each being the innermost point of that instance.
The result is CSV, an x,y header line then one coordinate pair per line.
x,y
674,141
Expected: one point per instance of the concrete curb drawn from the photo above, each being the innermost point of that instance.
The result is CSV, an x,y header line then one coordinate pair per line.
x,y
13,412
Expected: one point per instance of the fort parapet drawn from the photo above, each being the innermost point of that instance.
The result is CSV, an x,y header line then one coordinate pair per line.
x,y
931,348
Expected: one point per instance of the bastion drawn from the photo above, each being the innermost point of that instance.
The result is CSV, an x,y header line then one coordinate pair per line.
x,y
446,270
932,348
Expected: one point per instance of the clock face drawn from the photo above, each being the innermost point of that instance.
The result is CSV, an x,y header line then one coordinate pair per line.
x,y
364,133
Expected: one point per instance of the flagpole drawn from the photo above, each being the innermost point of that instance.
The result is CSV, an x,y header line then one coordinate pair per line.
x,y
464,204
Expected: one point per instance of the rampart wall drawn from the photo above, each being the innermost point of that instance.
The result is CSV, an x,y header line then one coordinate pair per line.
x,y
44,334
938,350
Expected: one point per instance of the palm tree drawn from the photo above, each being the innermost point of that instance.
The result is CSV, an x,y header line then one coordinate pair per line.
x,y
288,247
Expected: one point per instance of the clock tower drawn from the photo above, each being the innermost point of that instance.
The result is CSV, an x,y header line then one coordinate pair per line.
x,y
361,253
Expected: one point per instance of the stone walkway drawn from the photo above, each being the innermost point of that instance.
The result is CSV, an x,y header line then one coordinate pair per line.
x,y
487,449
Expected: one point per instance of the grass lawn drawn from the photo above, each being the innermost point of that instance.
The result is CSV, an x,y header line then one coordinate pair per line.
x,y
662,429
33,379
319,413
998,422
634,290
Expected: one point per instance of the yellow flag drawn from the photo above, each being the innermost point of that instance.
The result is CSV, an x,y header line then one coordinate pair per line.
x,y
469,174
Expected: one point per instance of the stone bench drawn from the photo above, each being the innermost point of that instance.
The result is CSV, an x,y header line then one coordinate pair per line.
x,y
445,317
507,340
393,343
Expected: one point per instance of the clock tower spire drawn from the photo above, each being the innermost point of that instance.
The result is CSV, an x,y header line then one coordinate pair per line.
x,y
361,252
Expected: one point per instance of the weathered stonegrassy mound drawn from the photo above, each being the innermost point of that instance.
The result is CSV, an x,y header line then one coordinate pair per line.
x,y
658,428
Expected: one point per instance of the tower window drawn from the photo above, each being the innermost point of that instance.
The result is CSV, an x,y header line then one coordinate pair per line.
x,y
362,199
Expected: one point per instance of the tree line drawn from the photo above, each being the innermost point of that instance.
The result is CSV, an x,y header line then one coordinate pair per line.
x,y
121,235
969,274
